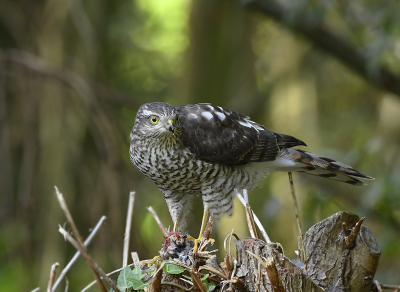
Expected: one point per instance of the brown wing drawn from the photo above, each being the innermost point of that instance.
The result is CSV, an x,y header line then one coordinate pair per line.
x,y
219,135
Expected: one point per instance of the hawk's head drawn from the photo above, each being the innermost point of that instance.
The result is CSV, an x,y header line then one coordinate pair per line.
x,y
157,120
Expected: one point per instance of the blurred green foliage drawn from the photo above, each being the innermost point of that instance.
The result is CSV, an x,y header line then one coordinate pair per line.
x,y
73,73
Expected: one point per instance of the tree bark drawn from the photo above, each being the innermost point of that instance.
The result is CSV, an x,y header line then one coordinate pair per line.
x,y
338,259
331,264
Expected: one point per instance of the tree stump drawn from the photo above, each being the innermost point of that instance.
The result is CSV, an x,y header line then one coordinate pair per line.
x,y
341,255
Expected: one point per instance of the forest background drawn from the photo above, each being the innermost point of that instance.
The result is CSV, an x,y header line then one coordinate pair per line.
x,y
74,72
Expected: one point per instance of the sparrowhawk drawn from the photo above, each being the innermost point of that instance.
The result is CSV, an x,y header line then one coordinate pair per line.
x,y
201,149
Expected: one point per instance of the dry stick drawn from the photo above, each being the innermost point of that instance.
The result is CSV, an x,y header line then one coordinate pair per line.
x,y
350,240
76,256
109,274
176,285
390,287
378,286
93,264
197,282
250,222
79,246
128,229
153,213
249,217
36,289
263,232
66,285
296,212
155,284
135,258
52,276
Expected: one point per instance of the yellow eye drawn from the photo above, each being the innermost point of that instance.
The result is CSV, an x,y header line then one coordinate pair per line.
x,y
154,120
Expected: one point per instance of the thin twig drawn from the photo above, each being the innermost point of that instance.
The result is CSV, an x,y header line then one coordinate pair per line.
x,y
135,258
258,222
378,286
197,282
71,222
390,287
350,240
155,216
213,270
250,217
155,284
66,285
260,260
78,242
296,212
246,196
52,276
94,266
207,231
76,256
36,289
128,229
251,223
176,285
258,275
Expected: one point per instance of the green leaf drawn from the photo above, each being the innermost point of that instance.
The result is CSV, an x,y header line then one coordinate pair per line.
x,y
137,284
151,269
123,282
210,286
137,273
131,279
187,277
204,277
173,269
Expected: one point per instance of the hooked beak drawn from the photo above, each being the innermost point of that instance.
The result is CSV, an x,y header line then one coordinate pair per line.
x,y
170,126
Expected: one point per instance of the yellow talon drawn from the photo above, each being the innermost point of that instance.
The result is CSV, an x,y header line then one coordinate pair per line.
x,y
203,227
175,227
150,262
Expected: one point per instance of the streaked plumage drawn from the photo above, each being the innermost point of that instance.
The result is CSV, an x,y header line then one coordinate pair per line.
x,y
201,149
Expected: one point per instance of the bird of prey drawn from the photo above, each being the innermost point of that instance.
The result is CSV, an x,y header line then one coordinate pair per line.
x,y
201,149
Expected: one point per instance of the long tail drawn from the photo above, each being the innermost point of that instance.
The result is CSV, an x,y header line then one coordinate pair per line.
x,y
314,164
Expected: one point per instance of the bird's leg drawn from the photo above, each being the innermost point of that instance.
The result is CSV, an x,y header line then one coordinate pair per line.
x,y
204,221
203,226
150,262
175,226
175,209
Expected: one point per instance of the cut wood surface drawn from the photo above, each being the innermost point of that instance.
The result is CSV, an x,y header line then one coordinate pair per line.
x,y
332,263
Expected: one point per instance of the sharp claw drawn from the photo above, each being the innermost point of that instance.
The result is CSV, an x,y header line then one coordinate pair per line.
x,y
148,263
196,245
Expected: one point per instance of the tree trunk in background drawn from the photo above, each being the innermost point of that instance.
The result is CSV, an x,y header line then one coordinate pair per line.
x,y
221,62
